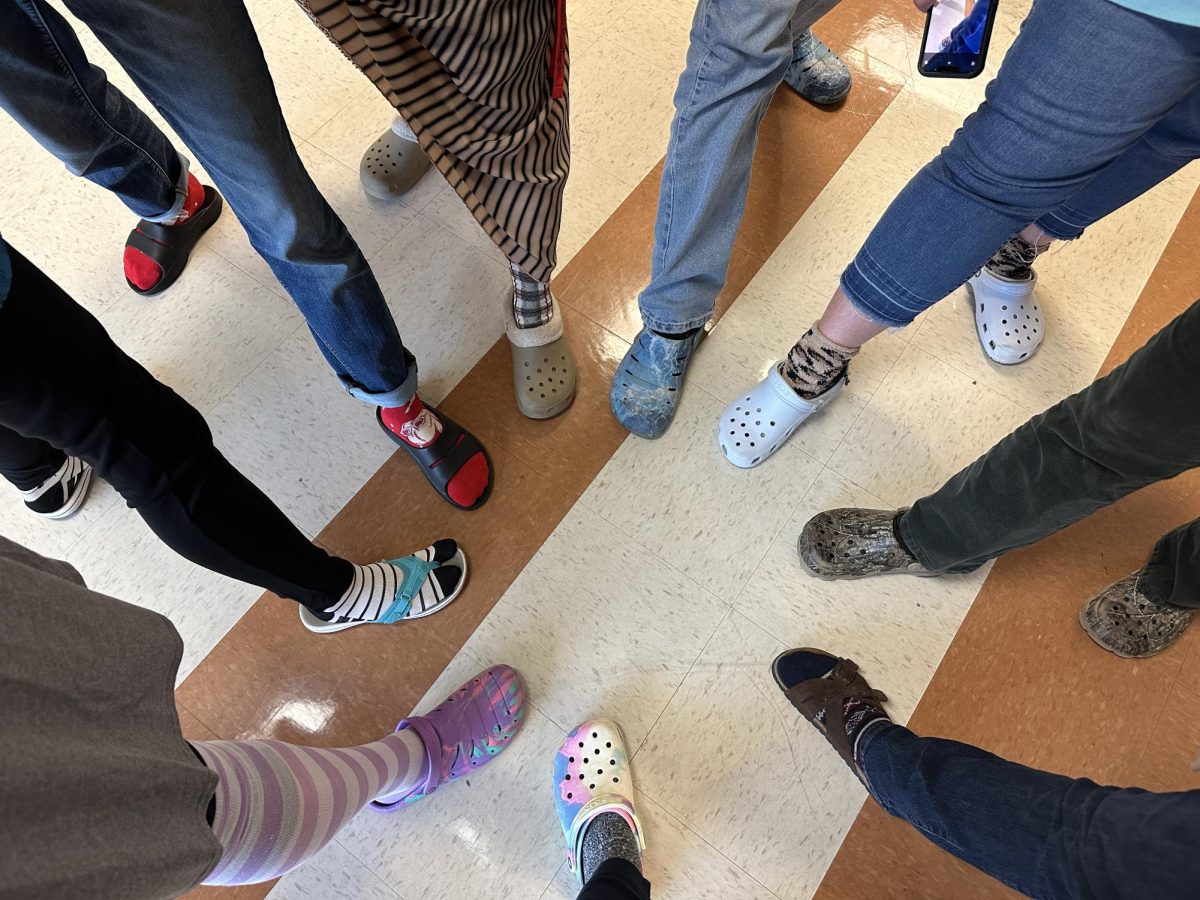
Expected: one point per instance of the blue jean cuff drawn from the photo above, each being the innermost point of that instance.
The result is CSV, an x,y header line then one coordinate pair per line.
x,y
664,327
1054,225
181,191
396,397
872,293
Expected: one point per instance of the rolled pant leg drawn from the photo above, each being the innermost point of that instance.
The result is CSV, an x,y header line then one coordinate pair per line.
x,y
64,381
1138,425
200,63
67,104
1045,835
1173,573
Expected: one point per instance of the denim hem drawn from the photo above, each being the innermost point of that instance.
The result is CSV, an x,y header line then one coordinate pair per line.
x,y
664,327
395,397
870,300
181,191
1055,226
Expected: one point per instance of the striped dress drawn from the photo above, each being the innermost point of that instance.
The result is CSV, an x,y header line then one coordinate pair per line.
x,y
482,84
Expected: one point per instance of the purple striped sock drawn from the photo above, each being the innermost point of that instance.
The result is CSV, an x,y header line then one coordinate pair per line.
x,y
278,804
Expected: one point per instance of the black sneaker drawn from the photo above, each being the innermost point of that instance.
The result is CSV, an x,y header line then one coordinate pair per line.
x,y
61,495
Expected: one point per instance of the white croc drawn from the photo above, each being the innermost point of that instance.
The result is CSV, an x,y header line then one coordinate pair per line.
x,y
592,776
758,422
1008,318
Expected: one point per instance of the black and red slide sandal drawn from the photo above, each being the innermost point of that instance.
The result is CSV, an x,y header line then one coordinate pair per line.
x,y
169,246
443,459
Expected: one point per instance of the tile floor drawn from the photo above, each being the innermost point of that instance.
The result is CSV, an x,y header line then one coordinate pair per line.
x,y
659,602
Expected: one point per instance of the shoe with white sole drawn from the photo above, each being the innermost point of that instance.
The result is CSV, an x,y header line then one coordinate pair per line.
x,y
62,494
1008,318
759,421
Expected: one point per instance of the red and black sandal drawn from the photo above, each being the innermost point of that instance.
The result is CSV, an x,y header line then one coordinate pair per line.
x,y
445,457
169,246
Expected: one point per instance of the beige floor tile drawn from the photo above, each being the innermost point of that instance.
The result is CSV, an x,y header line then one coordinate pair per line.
x,y
207,333
494,832
592,195
896,627
1079,329
333,874
924,423
733,761
681,498
611,84
599,627
659,36
52,538
678,863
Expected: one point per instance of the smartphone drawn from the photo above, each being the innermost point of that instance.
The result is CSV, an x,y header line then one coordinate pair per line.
x,y
956,38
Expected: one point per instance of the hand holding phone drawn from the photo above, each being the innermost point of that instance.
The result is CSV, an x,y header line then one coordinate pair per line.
x,y
957,33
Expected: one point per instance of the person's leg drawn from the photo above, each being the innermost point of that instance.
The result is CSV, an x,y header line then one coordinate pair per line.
x,y
616,879
1042,834
26,462
737,57
220,98
277,804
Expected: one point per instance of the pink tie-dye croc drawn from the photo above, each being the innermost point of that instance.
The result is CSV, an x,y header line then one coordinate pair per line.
x,y
467,730
592,776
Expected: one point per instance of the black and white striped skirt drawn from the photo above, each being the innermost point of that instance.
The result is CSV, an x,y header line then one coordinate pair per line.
x,y
482,84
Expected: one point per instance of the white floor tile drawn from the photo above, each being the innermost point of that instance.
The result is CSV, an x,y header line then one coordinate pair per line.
x,y
333,874
681,498
926,421
592,196
735,762
52,538
599,627
897,627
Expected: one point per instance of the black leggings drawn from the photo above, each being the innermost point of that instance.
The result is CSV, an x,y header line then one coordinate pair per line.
x,y
616,879
67,389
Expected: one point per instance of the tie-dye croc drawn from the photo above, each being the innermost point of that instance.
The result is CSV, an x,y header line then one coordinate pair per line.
x,y
467,730
592,776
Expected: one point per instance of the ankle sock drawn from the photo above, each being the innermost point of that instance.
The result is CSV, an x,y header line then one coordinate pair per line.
x,y
139,268
677,336
418,426
815,363
608,836
277,804
1014,259
533,304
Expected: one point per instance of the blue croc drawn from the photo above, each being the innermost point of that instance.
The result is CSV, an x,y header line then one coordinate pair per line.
x,y
816,72
646,388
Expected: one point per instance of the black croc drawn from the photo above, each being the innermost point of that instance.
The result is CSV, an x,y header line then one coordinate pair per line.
x,y
443,459
170,245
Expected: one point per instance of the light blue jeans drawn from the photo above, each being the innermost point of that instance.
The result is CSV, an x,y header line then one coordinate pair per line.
x,y
739,53
1094,105
200,63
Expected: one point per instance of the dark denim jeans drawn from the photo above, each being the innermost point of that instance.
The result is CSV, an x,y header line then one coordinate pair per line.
x,y
1137,425
1045,835
200,63
616,879
1093,105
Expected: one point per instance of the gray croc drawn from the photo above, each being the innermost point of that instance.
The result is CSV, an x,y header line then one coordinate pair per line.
x,y
1124,620
543,369
391,166
855,543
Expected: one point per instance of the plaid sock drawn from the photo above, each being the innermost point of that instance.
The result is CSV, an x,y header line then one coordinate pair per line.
x,y
532,303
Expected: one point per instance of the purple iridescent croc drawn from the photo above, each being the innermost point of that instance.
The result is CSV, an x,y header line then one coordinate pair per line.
x,y
467,730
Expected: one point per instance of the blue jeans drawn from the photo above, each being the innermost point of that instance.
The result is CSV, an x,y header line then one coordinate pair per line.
x,y
739,53
1045,835
200,63
1094,105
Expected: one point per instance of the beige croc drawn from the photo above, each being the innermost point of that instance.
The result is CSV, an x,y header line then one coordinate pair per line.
x,y
392,165
543,369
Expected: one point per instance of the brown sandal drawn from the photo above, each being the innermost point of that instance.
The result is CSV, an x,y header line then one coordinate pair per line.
x,y
818,684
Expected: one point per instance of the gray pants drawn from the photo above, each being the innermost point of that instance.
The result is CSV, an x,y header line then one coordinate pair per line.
x,y
1137,425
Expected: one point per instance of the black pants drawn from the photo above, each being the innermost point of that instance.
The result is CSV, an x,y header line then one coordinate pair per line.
x,y
1137,425
67,389
616,879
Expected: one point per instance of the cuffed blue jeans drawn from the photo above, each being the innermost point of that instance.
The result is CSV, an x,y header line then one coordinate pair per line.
x,y
200,63
1094,105
1045,835
738,55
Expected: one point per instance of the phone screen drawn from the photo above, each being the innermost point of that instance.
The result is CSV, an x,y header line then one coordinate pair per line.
x,y
956,38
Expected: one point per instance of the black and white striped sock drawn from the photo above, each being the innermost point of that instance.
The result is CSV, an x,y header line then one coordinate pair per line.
x,y
533,304
374,587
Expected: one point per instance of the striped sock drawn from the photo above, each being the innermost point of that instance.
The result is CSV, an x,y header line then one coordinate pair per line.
x,y
533,304
371,592
277,804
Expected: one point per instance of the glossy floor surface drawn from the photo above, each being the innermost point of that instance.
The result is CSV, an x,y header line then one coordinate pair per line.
x,y
648,581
